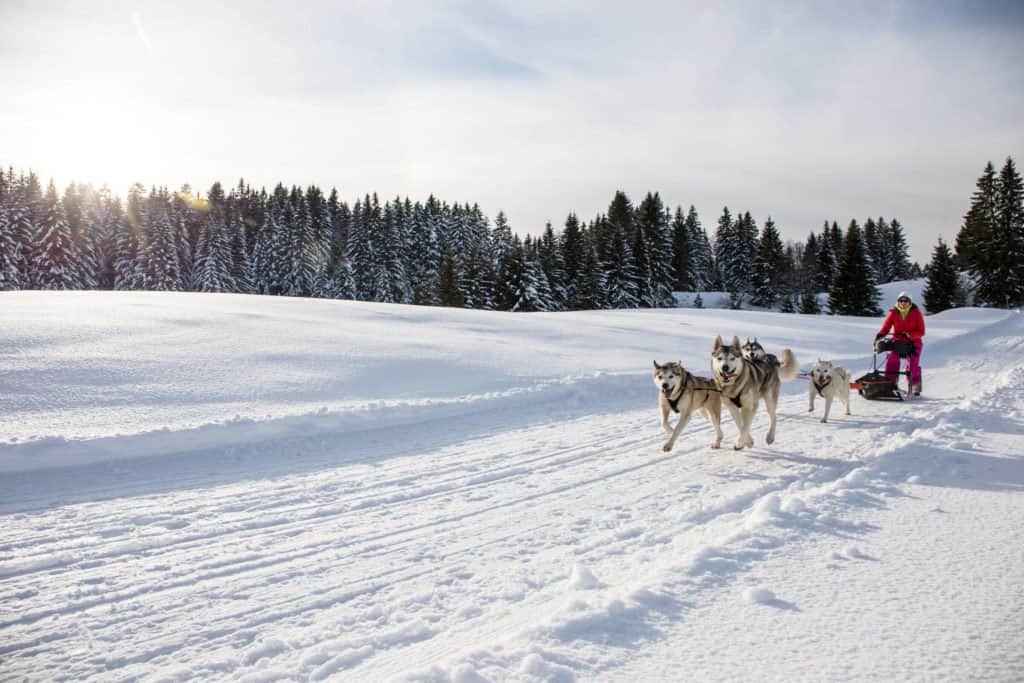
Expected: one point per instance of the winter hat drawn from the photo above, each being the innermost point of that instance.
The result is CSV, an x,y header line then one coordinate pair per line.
x,y
903,295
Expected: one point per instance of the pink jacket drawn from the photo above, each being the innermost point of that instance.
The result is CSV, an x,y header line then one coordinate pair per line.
x,y
911,327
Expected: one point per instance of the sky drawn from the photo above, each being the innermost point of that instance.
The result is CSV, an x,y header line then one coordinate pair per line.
x,y
801,111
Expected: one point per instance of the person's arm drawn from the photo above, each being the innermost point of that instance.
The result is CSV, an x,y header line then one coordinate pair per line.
x,y
886,326
916,329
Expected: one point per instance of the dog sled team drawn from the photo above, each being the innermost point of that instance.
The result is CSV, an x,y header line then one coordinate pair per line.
x,y
743,375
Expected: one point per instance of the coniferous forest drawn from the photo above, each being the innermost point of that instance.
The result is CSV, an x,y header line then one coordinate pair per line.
x,y
303,242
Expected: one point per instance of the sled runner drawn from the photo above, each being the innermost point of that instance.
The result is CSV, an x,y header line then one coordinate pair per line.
x,y
876,385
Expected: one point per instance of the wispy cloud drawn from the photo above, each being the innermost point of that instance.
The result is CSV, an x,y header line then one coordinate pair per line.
x,y
140,31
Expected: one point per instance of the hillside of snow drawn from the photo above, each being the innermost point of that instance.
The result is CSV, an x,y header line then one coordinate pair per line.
x,y
228,487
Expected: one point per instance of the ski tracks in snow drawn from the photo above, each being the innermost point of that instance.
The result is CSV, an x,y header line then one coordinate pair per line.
x,y
546,551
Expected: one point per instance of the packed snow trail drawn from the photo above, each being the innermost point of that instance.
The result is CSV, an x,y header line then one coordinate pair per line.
x,y
540,539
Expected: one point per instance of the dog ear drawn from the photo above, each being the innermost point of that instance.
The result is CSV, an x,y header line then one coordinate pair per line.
x,y
718,344
656,365
736,343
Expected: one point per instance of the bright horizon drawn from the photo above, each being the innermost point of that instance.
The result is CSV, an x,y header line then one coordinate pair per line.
x,y
803,113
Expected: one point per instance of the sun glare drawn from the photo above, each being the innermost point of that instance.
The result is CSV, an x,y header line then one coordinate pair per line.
x,y
100,143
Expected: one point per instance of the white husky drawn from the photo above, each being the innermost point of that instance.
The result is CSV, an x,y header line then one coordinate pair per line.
x,y
830,382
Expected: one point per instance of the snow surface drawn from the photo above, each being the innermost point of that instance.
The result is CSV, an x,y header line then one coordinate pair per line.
x,y
225,487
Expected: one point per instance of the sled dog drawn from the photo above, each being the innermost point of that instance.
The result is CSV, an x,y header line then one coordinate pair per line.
x,y
752,350
684,393
830,382
744,382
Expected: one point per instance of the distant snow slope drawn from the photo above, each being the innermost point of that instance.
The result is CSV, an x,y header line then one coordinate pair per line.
x,y
347,491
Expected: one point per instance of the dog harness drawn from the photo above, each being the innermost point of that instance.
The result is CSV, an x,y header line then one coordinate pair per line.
x,y
821,386
674,403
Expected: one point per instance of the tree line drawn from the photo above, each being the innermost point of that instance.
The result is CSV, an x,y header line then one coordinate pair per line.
x,y
989,248
303,242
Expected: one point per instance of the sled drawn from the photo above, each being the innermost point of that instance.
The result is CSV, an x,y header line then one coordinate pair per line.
x,y
876,385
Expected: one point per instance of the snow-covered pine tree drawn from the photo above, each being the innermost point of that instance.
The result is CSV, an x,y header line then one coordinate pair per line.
x,y
424,257
770,267
339,216
942,290
826,262
702,262
592,289
975,241
573,249
549,256
682,256
854,291
10,244
360,248
835,236
55,261
479,279
25,215
1009,232
316,248
875,242
213,267
160,260
726,251
620,273
747,236
75,201
448,291
652,227
897,252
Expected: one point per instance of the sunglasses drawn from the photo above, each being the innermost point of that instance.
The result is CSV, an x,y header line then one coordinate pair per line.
x,y
903,301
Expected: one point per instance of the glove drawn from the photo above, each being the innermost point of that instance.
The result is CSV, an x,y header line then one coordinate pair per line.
x,y
905,336
879,336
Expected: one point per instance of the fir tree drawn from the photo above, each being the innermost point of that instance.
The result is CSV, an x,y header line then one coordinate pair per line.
x,y
702,262
55,263
854,291
10,245
161,257
573,249
653,241
826,263
682,257
897,253
213,266
1008,239
620,274
769,267
942,288
448,291
549,256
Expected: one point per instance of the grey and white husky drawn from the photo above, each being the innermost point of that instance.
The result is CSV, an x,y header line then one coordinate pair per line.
x,y
830,382
752,350
744,382
685,393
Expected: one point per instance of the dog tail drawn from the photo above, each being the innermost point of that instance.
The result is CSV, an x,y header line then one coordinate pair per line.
x,y
789,368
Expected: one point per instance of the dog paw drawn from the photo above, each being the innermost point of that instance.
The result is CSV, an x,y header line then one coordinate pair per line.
x,y
823,420
716,444
666,447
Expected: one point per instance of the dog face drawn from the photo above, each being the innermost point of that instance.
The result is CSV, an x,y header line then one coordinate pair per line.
x,y
821,373
752,350
668,377
726,361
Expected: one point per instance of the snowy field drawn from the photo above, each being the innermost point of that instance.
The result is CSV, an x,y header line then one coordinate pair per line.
x,y
226,487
